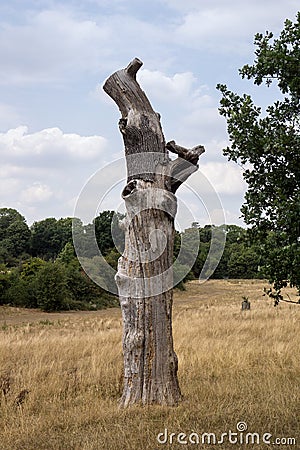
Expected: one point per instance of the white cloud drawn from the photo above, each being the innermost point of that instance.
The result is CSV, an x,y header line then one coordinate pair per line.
x,y
51,44
226,178
234,218
217,178
203,125
163,87
42,172
62,44
186,105
209,194
228,25
8,185
37,193
49,147
230,16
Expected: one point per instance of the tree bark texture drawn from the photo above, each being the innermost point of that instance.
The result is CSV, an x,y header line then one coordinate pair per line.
x,y
145,275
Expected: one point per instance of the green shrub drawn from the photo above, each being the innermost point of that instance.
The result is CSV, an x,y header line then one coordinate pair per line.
x,y
51,287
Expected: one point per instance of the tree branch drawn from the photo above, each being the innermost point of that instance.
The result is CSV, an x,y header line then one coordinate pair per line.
x,y
184,165
189,154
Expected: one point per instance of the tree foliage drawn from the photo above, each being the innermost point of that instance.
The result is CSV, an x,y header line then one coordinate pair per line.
x,y
49,276
14,235
49,236
268,143
51,289
108,233
54,280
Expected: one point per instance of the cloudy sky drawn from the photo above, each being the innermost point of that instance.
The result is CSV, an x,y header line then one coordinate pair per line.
x,y
58,127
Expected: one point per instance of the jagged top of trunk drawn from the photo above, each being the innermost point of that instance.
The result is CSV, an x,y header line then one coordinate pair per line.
x,y
123,88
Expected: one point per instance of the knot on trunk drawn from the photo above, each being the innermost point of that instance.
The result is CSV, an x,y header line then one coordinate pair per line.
x,y
142,196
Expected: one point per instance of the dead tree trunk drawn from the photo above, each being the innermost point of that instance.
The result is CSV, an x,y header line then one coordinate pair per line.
x,y
145,277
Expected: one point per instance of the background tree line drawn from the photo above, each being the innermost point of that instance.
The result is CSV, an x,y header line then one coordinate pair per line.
x,y
39,268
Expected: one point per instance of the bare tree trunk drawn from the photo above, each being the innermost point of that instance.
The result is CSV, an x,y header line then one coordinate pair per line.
x,y
145,277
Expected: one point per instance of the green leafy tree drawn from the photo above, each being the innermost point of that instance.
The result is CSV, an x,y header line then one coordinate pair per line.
x,y
14,289
23,287
112,258
268,143
67,256
187,250
80,288
82,292
52,290
243,262
14,235
205,233
4,283
107,231
235,234
84,239
31,267
49,236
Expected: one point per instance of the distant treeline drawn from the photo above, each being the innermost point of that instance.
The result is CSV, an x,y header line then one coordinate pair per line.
x,y
39,267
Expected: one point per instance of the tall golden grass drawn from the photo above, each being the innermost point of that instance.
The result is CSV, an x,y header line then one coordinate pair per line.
x,y
234,367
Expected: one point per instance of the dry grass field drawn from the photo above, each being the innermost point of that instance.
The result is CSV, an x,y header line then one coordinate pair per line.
x,y
234,367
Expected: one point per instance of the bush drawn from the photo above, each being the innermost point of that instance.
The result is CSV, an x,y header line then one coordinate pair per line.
x,y
4,283
51,287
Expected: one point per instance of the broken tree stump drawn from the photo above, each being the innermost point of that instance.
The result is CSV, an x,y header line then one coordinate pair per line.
x,y
145,275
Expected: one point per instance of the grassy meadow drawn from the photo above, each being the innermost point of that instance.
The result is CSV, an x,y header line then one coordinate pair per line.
x,y
60,375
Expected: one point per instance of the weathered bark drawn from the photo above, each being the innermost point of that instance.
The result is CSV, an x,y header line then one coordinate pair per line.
x,y
144,277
